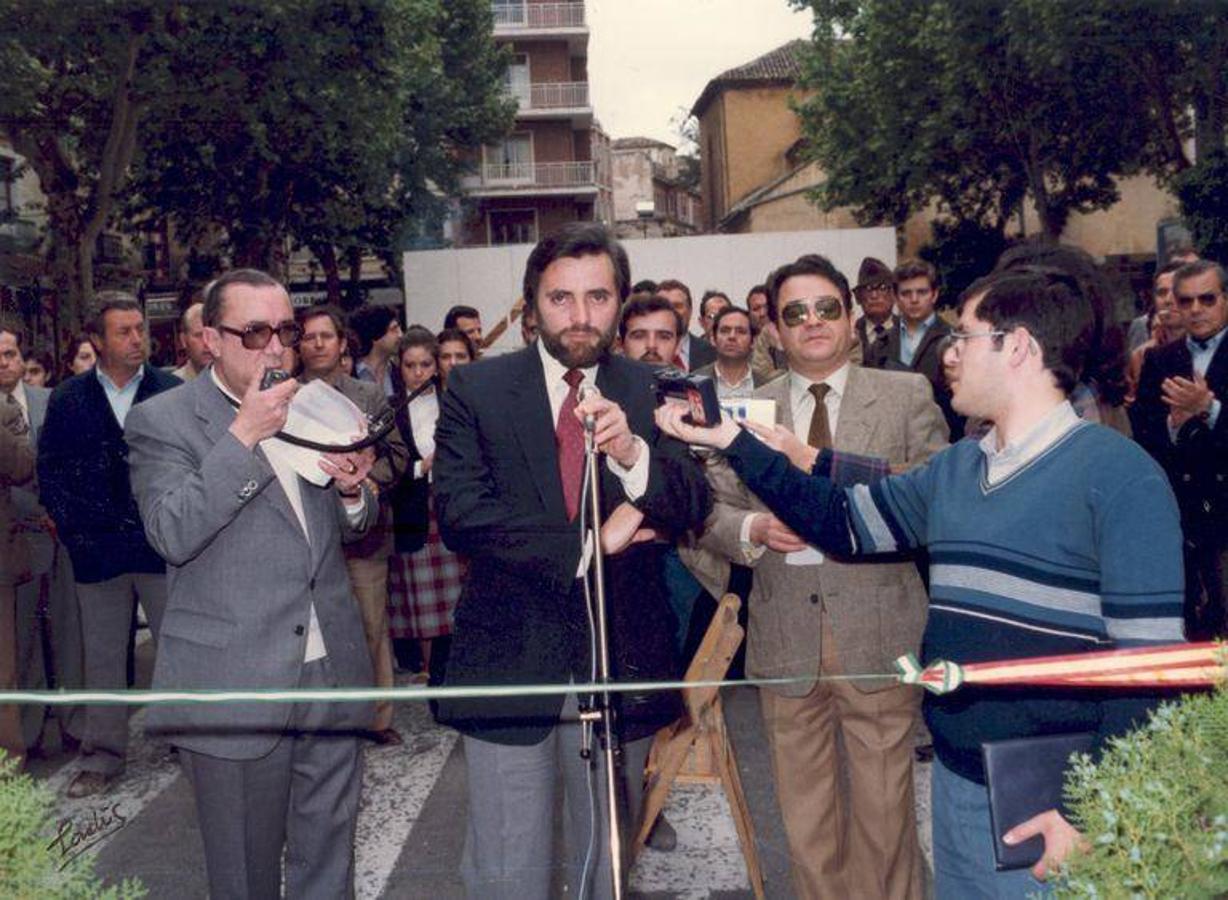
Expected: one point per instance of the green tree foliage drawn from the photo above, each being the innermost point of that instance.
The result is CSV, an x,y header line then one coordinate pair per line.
x,y
962,252
1154,808
333,123
32,864
973,105
77,78
1203,191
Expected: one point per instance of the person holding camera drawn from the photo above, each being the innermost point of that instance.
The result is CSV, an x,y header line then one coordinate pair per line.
x,y
1049,536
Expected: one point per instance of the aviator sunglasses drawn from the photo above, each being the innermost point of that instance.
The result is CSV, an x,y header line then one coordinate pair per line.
x,y
1207,299
827,309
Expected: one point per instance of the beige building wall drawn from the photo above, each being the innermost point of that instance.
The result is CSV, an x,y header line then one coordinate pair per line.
x,y
1128,228
759,130
632,181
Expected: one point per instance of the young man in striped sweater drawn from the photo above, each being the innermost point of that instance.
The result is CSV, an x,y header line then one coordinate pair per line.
x,y
1048,536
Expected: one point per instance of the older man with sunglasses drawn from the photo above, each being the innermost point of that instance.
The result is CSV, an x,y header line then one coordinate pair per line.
x,y
1178,418
841,750
260,599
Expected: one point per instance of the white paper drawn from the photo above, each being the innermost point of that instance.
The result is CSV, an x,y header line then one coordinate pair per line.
x,y
320,413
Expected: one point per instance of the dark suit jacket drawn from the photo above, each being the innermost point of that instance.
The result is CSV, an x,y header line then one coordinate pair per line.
x,y
873,350
242,575
521,617
702,353
83,478
926,361
1197,462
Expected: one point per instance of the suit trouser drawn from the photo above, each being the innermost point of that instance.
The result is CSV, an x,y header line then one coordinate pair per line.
x,y
369,578
1206,592
509,842
10,714
302,795
106,627
863,844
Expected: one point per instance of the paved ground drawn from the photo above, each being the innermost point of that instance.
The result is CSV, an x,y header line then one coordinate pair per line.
x,y
413,817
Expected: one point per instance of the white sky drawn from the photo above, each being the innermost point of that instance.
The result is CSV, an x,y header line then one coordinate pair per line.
x,y
647,58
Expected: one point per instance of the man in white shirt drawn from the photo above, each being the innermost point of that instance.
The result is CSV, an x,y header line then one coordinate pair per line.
x,y
693,351
735,379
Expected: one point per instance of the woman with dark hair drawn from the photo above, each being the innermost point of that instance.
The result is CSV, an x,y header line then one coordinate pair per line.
x,y
424,577
81,356
455,348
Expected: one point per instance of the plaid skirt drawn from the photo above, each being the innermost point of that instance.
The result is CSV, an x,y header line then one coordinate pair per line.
x,y
423,588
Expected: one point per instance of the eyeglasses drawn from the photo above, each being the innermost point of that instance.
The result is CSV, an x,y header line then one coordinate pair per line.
x,y
955,340
1208,299
828,309
880,288
257,335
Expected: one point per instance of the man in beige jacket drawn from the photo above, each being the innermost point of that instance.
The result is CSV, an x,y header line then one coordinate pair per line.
x,y
812,616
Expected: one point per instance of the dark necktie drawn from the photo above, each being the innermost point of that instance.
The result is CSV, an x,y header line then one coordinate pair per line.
x,y
820,430
569,438
21,428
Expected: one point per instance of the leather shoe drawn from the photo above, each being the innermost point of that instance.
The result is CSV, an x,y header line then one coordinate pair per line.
x,y
388,737
87,784
662,837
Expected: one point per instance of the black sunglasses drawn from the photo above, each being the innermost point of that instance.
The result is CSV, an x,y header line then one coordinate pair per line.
x,y
257,335
1208,299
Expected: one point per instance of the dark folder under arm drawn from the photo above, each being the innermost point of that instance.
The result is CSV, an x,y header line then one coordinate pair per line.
x,y
1024,778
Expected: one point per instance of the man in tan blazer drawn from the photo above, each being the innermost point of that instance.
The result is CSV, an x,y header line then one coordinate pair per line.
x,y
841,750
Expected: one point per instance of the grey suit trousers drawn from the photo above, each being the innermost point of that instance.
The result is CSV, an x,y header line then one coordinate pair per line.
x,y
510,837
302,795
106,627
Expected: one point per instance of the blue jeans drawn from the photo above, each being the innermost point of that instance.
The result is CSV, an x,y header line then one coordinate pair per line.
x,y
963,845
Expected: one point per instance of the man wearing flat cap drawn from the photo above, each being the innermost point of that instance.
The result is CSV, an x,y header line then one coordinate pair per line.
x,y
875,293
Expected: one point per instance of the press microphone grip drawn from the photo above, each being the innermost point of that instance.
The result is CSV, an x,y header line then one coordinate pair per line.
x,y
589,392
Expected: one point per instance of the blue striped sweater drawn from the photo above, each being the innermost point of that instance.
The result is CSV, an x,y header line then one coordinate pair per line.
x,y
1078,550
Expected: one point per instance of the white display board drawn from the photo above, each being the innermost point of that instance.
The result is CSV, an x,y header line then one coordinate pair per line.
x,y
489,278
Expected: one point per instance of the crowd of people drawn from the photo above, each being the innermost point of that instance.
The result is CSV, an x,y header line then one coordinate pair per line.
x,y
983,445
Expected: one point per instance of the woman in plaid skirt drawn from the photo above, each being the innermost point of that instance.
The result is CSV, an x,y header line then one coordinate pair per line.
x,y
424,577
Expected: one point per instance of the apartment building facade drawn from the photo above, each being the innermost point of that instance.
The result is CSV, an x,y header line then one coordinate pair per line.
x,y
554,166
652,195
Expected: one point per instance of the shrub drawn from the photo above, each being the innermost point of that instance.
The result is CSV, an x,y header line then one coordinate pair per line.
x,y
31,868
1155,808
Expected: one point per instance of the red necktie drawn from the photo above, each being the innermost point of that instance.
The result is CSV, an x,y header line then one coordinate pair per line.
x,y
569,438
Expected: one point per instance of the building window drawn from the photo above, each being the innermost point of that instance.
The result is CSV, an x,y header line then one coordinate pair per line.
x,y
516,80
513,226
511,159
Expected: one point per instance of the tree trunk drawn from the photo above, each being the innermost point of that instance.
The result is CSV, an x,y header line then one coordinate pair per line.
x,y
326,255
353,293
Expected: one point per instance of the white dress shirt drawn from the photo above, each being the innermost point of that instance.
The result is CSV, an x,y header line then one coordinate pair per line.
x,y
120,398
801,404
423,416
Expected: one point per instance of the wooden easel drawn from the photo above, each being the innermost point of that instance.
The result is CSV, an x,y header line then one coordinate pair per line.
x,y
699,737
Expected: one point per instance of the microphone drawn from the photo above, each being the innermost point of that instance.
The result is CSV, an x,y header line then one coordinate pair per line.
x,y
589,392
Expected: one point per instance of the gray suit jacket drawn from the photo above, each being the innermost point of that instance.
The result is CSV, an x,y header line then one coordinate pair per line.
x,y
877,610
29,513
241,574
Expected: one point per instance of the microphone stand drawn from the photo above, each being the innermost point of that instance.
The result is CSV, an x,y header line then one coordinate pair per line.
x,y
604,710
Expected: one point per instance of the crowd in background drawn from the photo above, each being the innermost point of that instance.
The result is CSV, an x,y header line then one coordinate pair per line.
x,y
76,560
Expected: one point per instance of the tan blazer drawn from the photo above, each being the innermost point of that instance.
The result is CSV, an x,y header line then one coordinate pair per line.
x,y
876,609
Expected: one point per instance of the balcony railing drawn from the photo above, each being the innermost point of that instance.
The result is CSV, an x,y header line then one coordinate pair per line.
x,y
516,15
531,176
552,95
